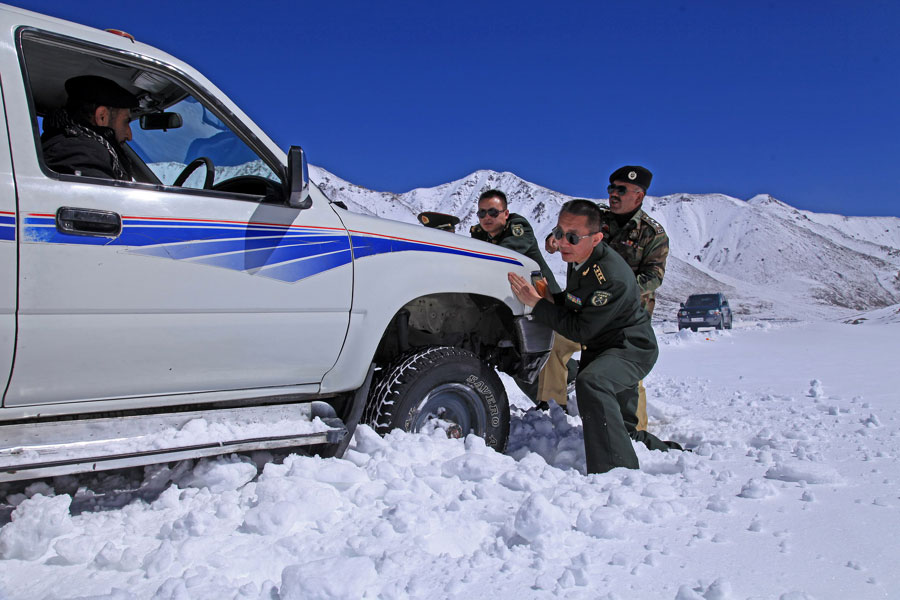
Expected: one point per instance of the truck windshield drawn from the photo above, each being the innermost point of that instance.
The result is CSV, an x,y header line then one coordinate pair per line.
x,y
167,152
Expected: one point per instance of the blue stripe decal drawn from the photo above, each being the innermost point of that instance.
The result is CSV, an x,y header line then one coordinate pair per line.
x,y
145,236
364,245
205,248
8,228
301,269
51,236
279,252
247,261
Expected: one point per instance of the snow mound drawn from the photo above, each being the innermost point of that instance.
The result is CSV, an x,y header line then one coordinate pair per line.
x,y
807,472
36,522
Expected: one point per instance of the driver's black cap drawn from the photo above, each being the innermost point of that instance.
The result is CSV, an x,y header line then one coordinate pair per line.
x,y
92,89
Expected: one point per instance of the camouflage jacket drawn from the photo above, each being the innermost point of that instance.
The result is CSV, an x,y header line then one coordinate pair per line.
x,y
519,236
644,245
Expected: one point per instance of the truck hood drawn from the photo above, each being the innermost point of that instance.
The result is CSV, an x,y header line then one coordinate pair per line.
x,y
406,234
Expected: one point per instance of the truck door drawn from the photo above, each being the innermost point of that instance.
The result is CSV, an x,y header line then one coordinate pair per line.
x,y
139,288
7,254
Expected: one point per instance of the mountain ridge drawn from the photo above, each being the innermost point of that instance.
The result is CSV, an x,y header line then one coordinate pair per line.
x,y
771,259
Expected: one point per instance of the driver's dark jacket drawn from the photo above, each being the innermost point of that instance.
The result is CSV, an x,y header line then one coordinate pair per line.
x,y
81,155
601,309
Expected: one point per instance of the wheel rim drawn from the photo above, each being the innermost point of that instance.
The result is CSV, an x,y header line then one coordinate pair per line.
x,y
456,404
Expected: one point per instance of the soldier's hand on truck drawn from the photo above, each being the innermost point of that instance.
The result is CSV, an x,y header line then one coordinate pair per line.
x,y
523,290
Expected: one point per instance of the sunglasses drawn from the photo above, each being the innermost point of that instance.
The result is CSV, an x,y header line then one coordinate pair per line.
x,y
617,189
482,212
571,237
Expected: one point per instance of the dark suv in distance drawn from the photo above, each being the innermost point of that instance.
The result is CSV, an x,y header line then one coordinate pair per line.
x,y
705,310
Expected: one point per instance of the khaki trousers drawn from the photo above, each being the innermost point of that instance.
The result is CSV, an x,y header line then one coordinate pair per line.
x,y
642,407
552,378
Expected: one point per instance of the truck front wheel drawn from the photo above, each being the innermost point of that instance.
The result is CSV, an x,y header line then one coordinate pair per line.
x,y
441,387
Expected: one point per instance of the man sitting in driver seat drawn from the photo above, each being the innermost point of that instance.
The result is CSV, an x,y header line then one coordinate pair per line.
x,y
86,137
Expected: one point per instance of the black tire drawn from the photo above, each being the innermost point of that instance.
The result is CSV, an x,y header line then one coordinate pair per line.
x,y
721,324
729,324
441,382
694,329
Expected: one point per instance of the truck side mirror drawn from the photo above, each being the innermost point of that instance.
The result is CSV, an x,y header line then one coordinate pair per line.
x,y
298,179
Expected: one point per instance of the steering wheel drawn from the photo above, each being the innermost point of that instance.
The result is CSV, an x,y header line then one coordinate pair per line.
x,y
192,166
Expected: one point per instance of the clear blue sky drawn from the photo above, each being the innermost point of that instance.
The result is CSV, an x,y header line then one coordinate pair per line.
x,y
797,99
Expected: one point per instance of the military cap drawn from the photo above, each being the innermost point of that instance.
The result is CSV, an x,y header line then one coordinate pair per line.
x,y
91,89
438,220
639,176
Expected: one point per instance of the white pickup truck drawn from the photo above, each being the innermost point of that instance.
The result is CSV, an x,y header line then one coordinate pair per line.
x,y
159,319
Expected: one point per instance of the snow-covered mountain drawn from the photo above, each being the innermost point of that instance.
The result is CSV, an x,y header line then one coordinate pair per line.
x,y
769,258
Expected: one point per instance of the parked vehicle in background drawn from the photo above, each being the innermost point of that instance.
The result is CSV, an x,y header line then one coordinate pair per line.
x,y
167,316
705,310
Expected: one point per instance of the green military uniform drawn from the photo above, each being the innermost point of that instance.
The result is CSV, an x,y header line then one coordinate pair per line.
x,y
601,310
644,245
519,236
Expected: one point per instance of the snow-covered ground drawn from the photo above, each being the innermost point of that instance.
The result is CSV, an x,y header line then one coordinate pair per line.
x,y
792,492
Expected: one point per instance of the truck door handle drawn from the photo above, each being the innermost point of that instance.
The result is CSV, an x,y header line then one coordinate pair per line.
x,y
87,221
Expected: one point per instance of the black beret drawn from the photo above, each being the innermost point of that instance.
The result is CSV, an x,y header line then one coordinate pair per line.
x,y
637,175
101,91
438,220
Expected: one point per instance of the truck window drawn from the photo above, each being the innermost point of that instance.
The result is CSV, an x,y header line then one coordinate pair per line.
x,y
702,301
68,139
168,151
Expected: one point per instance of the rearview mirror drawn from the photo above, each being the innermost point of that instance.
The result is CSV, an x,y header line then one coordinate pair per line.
x,y
298,179
161,120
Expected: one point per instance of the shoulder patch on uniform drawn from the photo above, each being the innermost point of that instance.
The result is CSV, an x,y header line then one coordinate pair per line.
x,y
573,299
601,278
517,230
599,298
474,229
652,223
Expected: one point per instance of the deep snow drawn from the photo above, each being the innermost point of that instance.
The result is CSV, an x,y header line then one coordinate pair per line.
x,y
791,492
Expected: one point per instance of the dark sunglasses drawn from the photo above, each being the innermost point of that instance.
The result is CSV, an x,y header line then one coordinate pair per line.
x,y
618,189
488,211
571,237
